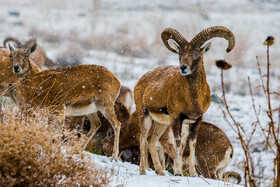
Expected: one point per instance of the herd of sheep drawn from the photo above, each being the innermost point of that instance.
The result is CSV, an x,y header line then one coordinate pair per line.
x,y
170,103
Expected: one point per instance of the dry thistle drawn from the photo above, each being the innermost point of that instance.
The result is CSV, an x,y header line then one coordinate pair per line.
x,y
223,65
269,41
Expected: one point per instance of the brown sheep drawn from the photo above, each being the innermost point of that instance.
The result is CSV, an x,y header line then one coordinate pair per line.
x,y
75,91
214,150
171,94
105,133
123,107
7,77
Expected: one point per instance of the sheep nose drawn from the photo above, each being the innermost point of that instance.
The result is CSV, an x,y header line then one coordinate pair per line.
x,y
183,67
16,68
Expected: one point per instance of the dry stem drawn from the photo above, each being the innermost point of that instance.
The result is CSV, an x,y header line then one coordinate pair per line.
x,y
248,164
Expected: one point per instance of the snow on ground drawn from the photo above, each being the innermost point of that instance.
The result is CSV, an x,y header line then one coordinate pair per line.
x,y
126,174
124,36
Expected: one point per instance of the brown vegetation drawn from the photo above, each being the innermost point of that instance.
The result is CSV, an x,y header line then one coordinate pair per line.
x,y
270,132
33,154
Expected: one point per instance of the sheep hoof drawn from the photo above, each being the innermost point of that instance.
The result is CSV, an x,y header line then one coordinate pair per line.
x,y
113,160
178,174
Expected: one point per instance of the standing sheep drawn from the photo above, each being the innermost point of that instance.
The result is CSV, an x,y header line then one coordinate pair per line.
x,y
171,94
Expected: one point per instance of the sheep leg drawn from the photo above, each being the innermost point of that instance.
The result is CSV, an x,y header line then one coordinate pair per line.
x,y
1,111
192,144
94,126
184,136
82,121
157,132
110,115
145,128
177,142
167,143
161,154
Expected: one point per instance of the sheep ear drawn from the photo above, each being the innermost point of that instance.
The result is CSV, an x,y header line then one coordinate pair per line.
x,y
174,45
31,49
11,48
205,48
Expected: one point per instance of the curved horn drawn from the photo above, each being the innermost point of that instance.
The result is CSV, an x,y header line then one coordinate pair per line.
x,y
170,33
11,48
29,43
12,39
217,31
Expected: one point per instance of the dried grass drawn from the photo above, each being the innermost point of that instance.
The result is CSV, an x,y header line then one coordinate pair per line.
x,y
37,152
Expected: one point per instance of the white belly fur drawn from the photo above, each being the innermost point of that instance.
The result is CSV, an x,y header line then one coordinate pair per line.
x,y
80,111
160,117
164,118
188,121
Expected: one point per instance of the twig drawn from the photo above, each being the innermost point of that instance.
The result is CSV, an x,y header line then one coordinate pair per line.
x,y
226,119
224,97
270,113
248,164
204,180
257,116
261,77
175,180
278,124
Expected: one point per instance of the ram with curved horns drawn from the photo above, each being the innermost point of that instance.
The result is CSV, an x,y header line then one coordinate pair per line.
x,y
172,94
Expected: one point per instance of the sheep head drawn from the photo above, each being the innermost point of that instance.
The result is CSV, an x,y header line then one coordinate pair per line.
x,y
191,53
20,58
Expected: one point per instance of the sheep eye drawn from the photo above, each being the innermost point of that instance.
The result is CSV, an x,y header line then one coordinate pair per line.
x,y
195,55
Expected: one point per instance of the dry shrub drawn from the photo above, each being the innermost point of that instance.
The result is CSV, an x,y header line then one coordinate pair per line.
x,y
270,131
37,152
